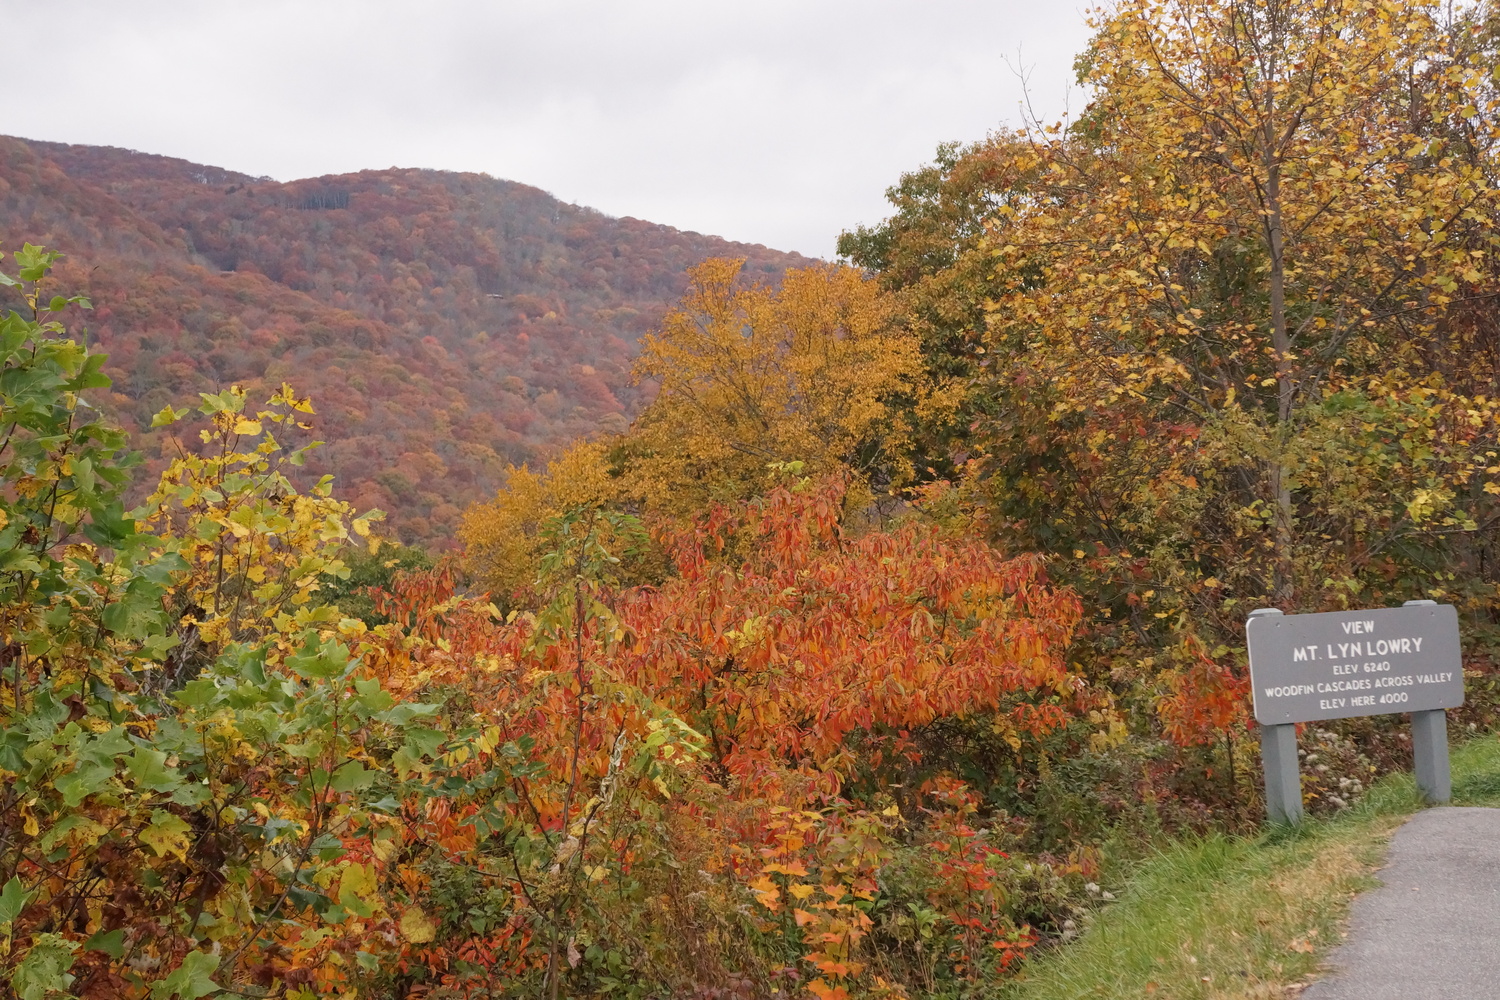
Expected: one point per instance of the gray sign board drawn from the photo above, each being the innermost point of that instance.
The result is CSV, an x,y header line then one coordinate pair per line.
x,y
1306,668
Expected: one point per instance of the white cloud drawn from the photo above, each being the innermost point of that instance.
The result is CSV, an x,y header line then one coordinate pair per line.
x,y
776,122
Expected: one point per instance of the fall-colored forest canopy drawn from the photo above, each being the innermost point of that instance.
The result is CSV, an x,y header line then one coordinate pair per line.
x,y
446,324
901,615
817,376
219,781
1228,338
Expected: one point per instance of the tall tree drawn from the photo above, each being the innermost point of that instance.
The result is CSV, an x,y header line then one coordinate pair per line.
x,y
814,375
1227,335
1261,227
816,371
930,256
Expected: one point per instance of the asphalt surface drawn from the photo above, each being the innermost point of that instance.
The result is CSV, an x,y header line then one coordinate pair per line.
x,y
1432,930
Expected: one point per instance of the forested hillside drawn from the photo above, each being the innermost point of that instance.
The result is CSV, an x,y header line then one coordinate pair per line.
x,y
446,324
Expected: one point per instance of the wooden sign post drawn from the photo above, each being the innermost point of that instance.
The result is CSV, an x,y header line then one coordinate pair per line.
x,y
1381,661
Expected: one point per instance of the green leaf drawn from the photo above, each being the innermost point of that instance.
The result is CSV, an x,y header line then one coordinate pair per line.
x,y
192,794
83,781
155,647
13,899
197,693
371,697
352,777
163,569
44,970
404,713
223,402
252,664
106,746
425,741
404,760
319,662
109,525
167,416
19,560
111,943
150,771
91,376
192,979
138,613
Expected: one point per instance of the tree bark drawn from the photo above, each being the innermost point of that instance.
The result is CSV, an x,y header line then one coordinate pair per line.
x,y
1282,585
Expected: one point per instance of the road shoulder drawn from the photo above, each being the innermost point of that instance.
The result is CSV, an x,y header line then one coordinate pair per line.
x,y
1430,931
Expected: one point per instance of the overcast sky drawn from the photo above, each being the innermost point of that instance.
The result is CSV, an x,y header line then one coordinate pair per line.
x,y
772,121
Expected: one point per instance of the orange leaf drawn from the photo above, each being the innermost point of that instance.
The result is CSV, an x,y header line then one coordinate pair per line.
x,y
824,990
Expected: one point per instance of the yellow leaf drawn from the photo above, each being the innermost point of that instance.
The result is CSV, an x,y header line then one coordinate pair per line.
x,y
763,884
416,927
167,834
244,426
359,882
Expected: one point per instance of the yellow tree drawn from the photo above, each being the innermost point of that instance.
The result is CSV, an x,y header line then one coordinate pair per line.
x,y
817,371
750,379
1253,241
503,537
256,550
1237,345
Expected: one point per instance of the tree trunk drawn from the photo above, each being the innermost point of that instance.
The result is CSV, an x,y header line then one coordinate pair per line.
x,y
1281,342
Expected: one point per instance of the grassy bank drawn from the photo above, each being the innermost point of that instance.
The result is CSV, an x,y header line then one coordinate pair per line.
x,y
1241,918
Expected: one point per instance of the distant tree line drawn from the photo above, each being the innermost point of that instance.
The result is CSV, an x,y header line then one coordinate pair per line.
x,y
324,199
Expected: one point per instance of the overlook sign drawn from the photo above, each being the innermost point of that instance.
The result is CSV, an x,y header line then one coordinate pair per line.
x,y
1307,668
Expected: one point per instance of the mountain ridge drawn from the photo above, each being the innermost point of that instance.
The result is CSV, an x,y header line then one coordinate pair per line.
x,y
446,324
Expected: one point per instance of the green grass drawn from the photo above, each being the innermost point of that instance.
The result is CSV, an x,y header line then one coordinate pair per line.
x,y
1243,918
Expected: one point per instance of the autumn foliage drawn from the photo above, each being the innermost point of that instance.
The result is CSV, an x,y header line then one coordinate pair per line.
x,y
750,380
730,710
216,781
908,602
815,637
448,324
1227,333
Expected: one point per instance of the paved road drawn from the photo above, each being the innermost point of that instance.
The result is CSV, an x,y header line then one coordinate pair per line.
x,y
1432,930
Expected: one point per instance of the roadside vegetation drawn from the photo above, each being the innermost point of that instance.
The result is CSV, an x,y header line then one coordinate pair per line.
x,y
903,625
1243,918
